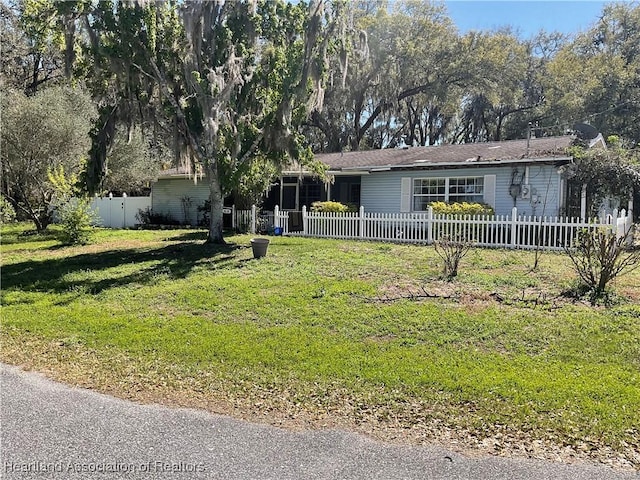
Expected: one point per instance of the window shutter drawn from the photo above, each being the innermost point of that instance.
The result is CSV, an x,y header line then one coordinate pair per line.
x,y
405,194
490,190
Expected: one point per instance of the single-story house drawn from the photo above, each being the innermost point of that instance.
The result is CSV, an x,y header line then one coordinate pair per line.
x,y
527,174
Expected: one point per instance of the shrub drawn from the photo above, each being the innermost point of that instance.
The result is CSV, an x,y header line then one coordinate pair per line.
x,y
205,210
149,217
77,220
7,212
72,208
598,257
451,252
329,207
462,208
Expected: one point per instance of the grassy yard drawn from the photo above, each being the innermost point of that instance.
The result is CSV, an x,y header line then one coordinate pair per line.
x,y
335,333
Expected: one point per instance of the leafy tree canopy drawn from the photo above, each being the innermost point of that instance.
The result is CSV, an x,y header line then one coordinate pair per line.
x,y
612,172
229,80
41,133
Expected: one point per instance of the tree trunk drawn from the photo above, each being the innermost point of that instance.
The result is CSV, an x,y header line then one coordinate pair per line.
x,y
217,202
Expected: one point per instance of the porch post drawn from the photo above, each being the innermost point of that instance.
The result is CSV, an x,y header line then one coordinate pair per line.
x,y
233,217
562,200
583,202
276,216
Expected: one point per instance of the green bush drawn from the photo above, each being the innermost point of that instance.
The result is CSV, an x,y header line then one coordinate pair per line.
x,y
76,219
149,217
462,208
329,207
7,212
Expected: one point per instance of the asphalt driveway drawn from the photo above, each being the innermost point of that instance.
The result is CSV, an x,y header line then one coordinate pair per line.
x,y
49,430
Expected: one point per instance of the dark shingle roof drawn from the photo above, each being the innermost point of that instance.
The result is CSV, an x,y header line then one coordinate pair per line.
x,y
417,157
546,147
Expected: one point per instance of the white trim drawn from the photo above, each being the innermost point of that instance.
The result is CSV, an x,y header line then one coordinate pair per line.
x,y
350,173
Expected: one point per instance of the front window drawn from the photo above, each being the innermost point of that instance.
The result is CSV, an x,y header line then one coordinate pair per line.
x,y
466,190
427,190
450,190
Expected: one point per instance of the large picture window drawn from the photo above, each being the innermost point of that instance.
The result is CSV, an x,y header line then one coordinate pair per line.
x,y
450,190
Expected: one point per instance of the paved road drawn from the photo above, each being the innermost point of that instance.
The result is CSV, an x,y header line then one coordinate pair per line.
x,y
52,431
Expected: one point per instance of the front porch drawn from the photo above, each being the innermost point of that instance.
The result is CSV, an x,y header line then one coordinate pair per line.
x,y
291,193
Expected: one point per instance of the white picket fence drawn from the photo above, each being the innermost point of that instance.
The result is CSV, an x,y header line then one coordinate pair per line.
x,y
502,231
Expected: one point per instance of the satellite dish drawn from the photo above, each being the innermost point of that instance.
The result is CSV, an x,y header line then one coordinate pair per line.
x,y
586,131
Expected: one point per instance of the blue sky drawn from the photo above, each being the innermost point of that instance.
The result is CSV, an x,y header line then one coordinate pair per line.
x,y
526,16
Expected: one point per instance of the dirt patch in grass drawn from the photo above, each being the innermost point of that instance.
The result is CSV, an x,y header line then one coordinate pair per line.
x,y
476,299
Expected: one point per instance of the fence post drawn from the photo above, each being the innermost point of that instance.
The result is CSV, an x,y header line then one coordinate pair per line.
x,y
429,225
124,210
304,220
276,216
253,219
514,227
361,221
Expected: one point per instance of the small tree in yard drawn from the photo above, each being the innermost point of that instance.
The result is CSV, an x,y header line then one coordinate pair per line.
x,y
73,208
451,252
598,257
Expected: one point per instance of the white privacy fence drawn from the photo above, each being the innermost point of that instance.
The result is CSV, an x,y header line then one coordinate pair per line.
x,y
506,231
119,212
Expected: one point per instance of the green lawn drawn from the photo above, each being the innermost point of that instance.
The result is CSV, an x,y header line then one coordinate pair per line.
x,y
327,332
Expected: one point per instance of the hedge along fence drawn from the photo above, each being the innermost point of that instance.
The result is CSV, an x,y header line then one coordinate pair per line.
x,y
505,231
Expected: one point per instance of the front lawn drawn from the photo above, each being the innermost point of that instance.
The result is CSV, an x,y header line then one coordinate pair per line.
x,y
335,333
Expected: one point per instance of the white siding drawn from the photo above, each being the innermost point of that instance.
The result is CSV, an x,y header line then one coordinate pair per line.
x,y
382,191
168,192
